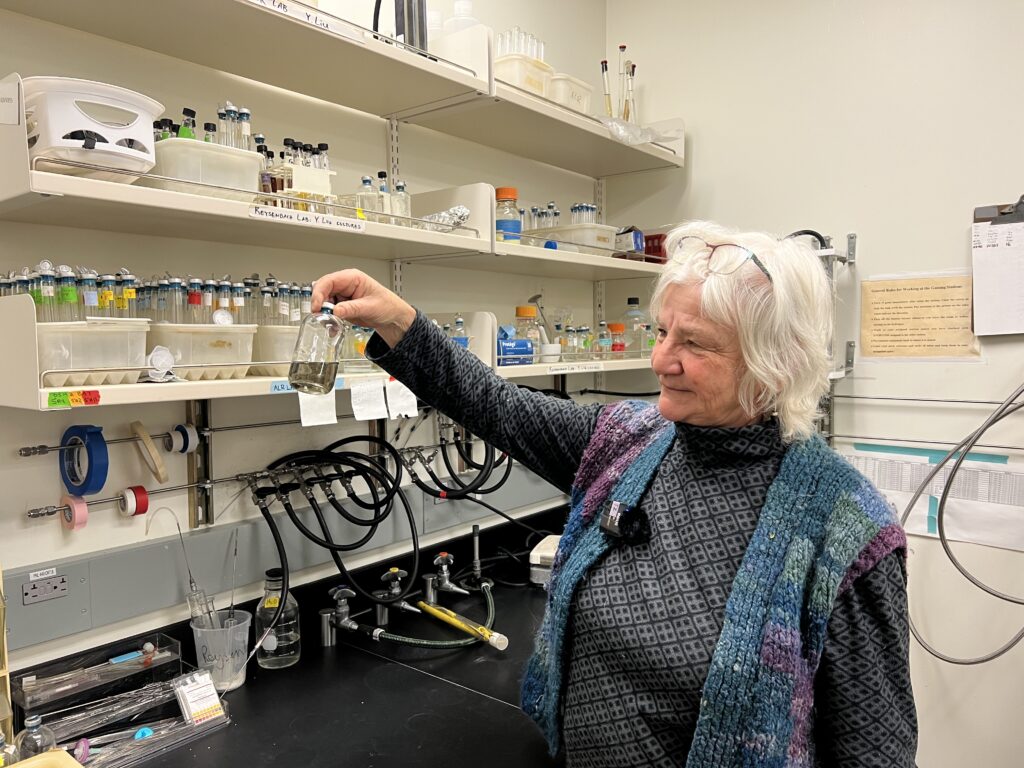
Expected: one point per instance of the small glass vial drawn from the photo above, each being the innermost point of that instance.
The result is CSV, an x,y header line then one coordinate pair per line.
x,y
187,129
209,300
210,135
603,348
305,300
108,296
295,314
284,304
384,197
366,196
506,214
647,341
158,130
282,647
401,205
224,295
571,348
175,301
618,334
222,127
268,306
67,296
9,753
194,301
325,161
163,291
244,129
459,333
166,128
126,299
46,305
88,294
586,343
232,125
35,739
318,350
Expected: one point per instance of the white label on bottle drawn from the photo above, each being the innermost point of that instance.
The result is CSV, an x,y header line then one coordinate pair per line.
x,y
47,290
92,298
238,301
296,315
207,299
303,218
307,306
282,309
223,302
267,300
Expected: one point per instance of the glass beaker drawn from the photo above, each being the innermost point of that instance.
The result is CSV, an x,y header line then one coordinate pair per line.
x,y
224,651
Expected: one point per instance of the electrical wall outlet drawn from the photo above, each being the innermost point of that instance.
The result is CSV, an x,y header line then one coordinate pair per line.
x,y
44,589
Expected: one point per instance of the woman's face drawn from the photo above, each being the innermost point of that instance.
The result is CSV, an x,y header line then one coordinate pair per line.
x,y
698,364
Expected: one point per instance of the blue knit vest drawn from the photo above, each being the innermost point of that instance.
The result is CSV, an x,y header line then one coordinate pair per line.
x,y
822,525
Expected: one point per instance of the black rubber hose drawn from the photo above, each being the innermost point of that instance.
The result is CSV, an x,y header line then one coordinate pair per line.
x,y
376,16
489,449
441,491
809,233
465,453
282,556
504,477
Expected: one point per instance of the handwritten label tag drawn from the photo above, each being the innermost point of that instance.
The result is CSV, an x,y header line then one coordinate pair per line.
x,y
317,410
554,370
401,400
368,400
308,15
72,399
305,219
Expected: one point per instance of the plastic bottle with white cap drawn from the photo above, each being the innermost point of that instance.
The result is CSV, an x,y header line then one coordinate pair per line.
x,y
462,18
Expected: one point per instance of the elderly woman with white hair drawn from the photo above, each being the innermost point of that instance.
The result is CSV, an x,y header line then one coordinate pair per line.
x,y
727,591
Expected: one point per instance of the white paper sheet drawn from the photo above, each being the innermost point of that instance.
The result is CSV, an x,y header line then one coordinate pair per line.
x,y
317,410
368,400
997,252
401,400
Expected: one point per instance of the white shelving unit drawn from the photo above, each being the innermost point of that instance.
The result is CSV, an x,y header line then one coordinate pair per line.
x,y
367,74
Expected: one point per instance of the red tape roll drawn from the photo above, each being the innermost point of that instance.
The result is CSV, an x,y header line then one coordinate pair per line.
x,y
141,499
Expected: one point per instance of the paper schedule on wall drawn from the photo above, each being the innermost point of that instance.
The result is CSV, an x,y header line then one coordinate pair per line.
x,y
997,252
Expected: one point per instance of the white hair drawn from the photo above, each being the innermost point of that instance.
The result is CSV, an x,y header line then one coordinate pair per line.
x,y
784,325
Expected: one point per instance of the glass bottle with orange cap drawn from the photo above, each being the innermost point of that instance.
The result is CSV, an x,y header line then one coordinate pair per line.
x,y
508,224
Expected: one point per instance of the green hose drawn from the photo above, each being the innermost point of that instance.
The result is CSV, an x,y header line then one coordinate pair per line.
x,y
489,623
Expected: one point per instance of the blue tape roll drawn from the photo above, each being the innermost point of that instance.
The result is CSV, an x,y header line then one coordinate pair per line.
x,y
88,439
180,429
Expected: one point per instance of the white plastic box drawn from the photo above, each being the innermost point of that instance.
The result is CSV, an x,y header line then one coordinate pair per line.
x,y
524,72
193,160
120,121
598,239
571,92
91,344
224,350
274,343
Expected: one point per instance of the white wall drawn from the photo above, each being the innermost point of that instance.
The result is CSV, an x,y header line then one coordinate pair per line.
x,y
891,120
429,161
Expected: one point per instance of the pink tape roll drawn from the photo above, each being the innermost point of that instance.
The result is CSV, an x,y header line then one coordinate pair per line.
x,y
77,513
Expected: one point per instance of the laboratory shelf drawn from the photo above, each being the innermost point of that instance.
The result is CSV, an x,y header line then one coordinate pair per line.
x,y
535,128
516,259
273,42
69,201
583,366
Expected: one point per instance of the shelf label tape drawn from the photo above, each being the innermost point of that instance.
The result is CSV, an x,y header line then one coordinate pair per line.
x,y
307,16
306,219
73,399
555,370
281,386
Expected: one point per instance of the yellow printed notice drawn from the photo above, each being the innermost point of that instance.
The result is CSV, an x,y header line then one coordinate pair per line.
x,y
917,317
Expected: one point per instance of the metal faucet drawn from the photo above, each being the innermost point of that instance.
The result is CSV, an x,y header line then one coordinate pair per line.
x,y
333,619
393,578
444,581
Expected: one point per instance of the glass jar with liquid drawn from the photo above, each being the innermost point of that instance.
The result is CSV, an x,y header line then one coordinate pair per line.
x,y
282,645
318,351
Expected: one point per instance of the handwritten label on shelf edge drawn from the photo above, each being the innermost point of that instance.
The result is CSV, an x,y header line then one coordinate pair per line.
x,y
282,386
555,370
308,15
304,219
72,399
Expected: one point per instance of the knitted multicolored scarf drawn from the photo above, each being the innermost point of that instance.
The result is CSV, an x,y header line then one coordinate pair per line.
x,y
822,526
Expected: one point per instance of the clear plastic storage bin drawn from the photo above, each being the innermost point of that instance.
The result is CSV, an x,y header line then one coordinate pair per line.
x,y
225,350
91,344
274,343
571,92
597,239
524,72
206,163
